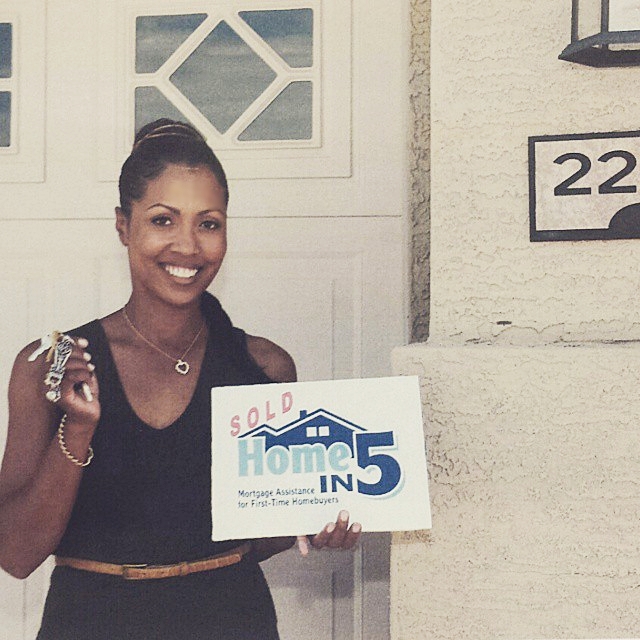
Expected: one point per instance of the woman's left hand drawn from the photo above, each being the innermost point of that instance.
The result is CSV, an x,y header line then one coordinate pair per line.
x,y
335,535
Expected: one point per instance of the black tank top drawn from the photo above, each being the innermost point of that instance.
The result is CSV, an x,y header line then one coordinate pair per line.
x,y
146,496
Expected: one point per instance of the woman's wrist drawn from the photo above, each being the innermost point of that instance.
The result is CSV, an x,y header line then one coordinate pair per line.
x,y
79,462
264,548
74,440
79,428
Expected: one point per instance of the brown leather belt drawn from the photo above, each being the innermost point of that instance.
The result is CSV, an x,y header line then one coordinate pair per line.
x,y
149,571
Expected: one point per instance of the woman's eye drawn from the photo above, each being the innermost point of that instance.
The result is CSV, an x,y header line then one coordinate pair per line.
x,y
210,225
161,221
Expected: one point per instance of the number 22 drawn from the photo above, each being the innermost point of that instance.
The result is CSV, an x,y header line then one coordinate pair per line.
x,y
610,185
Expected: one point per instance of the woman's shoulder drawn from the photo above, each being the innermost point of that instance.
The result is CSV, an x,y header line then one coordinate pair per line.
x,y
26,392
272,359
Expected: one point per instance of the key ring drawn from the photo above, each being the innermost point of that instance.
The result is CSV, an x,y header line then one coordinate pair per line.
x,y
59,347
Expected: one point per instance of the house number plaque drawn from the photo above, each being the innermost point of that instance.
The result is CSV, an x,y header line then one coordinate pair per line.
x,y
584,186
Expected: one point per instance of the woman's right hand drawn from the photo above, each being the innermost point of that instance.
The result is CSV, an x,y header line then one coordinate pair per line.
x,y
39,478
79,393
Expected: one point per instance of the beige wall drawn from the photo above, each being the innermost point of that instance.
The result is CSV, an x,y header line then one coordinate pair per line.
x,y
534,469
532,427
495,80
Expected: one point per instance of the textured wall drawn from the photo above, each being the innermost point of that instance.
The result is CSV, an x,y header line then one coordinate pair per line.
x,y
419,168
495,80
534,461
531,409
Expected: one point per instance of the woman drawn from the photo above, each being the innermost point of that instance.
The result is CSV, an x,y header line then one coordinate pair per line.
x,y
107,464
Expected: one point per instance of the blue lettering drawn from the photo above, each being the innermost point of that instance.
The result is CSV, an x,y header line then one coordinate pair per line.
x,y
307,458
338,453
245,457
345,484
277,459
390,472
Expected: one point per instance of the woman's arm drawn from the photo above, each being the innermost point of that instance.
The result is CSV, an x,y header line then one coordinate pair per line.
x,y
38,482
272,359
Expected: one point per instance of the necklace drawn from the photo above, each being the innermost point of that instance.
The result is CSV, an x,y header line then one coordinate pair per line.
x,y
181,365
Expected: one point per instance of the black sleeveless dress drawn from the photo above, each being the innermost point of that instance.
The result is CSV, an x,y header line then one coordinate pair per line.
x,y
146,498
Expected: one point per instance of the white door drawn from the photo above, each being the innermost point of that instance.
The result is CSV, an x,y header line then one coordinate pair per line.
x,y
305,102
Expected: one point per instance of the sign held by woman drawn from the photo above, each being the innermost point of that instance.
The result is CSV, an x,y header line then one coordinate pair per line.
x,y
286,457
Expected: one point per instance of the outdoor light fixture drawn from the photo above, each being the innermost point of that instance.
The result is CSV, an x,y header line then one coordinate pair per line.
x,y
604,33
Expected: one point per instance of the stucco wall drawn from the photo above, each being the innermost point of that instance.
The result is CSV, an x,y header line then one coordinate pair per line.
x,y
534,462
495,80
531,410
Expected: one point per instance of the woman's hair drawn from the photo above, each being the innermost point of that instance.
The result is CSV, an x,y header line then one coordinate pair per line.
x,y
157,145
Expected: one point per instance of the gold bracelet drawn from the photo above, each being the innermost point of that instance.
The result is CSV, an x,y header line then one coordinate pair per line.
x,y
66,451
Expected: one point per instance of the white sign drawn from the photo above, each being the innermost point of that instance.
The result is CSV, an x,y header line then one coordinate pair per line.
x,y
584,186
286,458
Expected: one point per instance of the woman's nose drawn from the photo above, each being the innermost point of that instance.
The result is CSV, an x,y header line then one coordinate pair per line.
x,y
185,240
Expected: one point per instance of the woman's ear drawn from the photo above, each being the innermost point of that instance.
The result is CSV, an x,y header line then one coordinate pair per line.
x,y
122,226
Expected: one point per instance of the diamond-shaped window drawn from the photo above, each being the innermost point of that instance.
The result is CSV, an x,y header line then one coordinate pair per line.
x,y
6,33
152,104
5,118
288,117
157,37
289,32
222,77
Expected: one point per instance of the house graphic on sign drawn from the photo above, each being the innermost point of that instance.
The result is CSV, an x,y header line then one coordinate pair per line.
x,y
318,427
323,443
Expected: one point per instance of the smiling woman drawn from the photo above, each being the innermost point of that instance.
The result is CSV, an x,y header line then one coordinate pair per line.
x,y
111,469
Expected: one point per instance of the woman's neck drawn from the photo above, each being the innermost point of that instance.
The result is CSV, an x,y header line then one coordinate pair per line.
x,y
164,324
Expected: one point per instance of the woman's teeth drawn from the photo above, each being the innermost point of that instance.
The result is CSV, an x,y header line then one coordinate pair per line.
x,y
180,272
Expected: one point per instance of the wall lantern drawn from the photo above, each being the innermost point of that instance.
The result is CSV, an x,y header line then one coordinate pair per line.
x,y
604,33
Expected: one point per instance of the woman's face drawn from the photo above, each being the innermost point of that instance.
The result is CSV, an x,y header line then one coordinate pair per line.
x,y
176,234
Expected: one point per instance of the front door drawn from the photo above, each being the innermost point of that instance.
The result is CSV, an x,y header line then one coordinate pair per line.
x,y
305,102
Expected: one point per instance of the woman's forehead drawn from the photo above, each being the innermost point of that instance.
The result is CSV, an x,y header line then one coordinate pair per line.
x,y
178,178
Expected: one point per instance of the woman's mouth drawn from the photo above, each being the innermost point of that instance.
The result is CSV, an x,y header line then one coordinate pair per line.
x,y
180,272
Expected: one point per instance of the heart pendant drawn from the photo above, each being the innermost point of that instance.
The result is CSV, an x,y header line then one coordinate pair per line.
x,y
182,367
